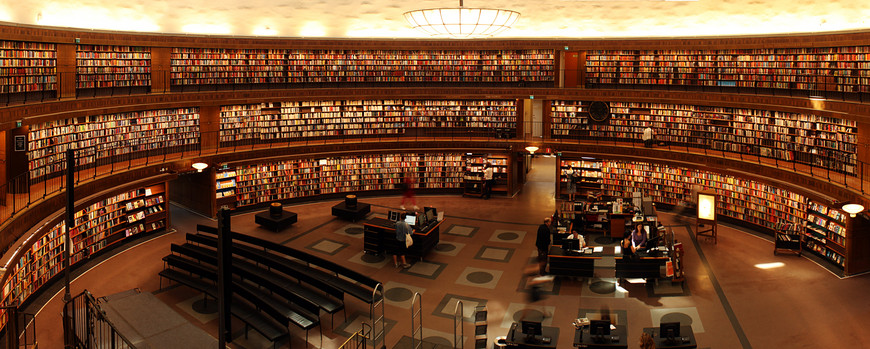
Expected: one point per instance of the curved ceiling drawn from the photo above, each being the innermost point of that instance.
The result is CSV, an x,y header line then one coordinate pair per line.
x,y
383,18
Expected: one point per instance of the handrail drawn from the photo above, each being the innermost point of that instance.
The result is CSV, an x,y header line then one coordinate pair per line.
x,y
358,339
86,326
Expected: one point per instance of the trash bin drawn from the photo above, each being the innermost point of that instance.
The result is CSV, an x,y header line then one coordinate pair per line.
x,y
350,201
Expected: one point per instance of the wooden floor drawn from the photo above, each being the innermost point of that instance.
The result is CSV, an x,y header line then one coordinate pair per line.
x,y
729,302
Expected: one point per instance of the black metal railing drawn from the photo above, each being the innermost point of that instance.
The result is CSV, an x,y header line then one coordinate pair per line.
x,y
20,329
86,326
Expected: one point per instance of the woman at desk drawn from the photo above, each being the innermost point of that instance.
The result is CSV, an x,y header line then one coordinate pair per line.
x,y
635,241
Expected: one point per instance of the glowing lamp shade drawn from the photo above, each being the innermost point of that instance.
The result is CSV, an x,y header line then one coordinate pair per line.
x,y
461,22
853,209
532,149
199,166
706,207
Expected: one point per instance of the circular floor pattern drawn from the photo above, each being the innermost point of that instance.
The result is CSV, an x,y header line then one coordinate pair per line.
x,y
683,319
398,294
602,287
508,236
438,341
205,306
531,314
479,277
445,247
353,231
371,258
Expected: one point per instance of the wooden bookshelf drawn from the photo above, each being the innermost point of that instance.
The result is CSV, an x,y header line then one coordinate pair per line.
x,y
825,233
293,120
27,67
200,66
101,138
590,176
105,66
473,174
749,201
225,187
215,66
98,226
309,178
433,66
812,69
803,138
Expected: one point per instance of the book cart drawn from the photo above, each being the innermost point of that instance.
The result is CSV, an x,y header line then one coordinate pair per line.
x,y
787,238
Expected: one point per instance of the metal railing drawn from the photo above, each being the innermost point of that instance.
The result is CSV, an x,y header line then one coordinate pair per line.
x,y
20,330
86,326
359,339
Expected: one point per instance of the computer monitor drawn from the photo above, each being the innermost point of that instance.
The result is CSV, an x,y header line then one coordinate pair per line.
x,y
531,329
411,220
570,244
430,215
393,216
669,330
599,327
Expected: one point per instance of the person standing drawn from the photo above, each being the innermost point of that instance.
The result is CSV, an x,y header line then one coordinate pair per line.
x,y
487,180
403,230
542,242
571,176
408,192
648,137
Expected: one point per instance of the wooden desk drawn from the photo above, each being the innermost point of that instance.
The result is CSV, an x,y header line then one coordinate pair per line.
x,y
582,339
562,264
516,339
380,236
662,343
640,267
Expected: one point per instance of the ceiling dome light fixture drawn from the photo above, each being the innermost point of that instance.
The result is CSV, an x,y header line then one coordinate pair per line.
x,y
462,22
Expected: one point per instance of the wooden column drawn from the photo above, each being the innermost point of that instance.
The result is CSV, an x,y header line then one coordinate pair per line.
x,y
66,71
572,71
857,244
581,68
209,127
521,124
16,159
547,118
161,64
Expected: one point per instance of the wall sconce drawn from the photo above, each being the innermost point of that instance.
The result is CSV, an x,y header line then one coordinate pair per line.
x,y
532,149
199,166
853,209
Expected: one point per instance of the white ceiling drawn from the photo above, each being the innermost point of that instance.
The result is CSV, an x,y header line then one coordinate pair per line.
x,y
383,18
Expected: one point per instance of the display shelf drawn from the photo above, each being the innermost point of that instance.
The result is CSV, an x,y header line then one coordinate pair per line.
x,y
292,120
825,232
815,69
102,138
96,227
473,174
308,178
103,66
27,66
804,138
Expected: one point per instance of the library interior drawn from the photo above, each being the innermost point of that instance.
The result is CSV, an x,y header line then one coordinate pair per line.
x,y
685,174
